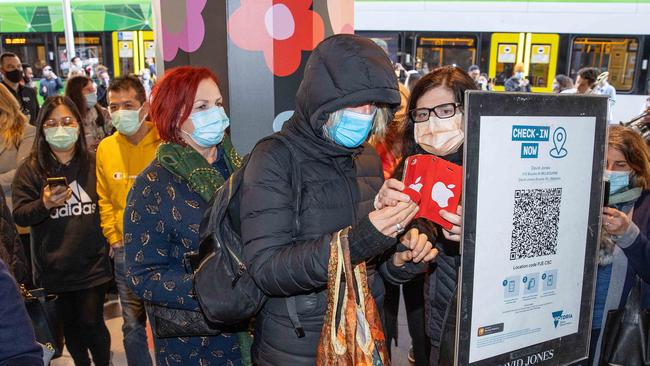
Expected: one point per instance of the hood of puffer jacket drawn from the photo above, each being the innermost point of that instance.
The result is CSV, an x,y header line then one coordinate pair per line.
x,y
343,71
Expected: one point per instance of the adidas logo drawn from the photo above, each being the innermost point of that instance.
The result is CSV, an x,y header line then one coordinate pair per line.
x,y
78,204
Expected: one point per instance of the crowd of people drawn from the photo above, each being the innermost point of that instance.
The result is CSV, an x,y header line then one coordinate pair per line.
x,y
116,192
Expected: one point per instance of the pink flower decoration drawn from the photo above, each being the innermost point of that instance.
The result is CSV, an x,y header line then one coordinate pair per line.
x,y
281,29
341,13
187,35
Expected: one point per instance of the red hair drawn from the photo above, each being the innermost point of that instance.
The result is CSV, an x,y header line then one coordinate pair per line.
x,y
172,99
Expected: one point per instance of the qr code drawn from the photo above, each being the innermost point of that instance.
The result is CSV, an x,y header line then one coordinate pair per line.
x,y
535,220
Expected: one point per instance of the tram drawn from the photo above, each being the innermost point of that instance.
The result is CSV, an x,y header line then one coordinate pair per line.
x,y
550,38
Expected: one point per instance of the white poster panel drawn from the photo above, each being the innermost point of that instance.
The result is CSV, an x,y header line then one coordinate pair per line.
x,y
530,242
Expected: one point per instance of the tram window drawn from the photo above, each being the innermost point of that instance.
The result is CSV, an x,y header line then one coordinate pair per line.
x,y
540,62
433,52
391,39
506,59
89,48
618,56
29,47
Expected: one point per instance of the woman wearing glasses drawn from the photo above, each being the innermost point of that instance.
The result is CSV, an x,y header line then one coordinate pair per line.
x,y
435,126
69,252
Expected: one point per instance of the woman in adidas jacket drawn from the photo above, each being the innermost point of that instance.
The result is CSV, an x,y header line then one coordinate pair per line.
x,y
69,252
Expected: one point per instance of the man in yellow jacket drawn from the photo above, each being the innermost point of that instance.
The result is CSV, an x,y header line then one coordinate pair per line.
x,y
120,158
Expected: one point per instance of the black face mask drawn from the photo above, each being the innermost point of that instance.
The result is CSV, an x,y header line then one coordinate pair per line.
x,y
14,76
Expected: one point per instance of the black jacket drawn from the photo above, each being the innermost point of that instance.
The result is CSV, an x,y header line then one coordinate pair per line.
x,y
442,280
26,97
338,189
69,252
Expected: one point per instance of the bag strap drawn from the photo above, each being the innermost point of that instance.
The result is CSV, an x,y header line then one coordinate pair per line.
x,y
296,182
334,291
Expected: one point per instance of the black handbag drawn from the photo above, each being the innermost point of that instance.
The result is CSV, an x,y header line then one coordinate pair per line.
x,y
625,338
41,308
170,322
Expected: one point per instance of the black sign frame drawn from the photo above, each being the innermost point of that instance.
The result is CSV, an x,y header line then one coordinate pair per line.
x,y
562,350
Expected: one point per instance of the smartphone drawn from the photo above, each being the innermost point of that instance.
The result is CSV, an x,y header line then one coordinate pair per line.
x,y
606,194
57,182
434,184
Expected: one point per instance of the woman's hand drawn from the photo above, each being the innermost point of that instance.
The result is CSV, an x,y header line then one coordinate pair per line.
x,y
420,249
391,194
55,197
392,220
615,222
455,219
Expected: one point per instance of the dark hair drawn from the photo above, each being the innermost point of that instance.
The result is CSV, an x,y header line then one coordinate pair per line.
x,y
124,83
589,74
564,81
42,155
7,55
74,58
636,153
450,77
473,68
73,90
26,66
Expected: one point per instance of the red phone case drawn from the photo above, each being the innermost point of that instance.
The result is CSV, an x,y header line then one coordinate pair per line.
x,y
434,184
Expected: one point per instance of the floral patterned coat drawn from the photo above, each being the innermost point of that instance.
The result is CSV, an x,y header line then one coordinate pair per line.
x,y
161,224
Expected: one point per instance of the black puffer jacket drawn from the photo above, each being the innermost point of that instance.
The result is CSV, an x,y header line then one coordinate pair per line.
x,y
441,283
338,188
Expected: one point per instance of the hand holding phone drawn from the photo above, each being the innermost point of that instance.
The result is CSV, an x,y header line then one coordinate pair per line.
x,y
56,192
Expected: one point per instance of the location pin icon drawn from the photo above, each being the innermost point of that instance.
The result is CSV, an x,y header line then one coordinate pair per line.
x,y
559,139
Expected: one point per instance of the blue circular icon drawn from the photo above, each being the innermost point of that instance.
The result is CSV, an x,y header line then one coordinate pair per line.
x,y
544,276
505,283
525,279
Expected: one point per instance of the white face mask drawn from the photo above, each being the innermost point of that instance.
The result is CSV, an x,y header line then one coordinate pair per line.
x,y
440,137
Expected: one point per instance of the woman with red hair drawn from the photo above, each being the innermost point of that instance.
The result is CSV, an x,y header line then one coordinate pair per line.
x,y
166,204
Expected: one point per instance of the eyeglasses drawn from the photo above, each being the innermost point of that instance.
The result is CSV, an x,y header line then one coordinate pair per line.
x,y
441,111
63,122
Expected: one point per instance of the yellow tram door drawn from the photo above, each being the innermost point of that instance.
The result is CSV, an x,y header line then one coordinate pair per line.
x,y
538,52
130,48
147,47
506,49
540,59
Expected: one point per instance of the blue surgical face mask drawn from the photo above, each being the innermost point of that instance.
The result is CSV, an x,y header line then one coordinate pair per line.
x,y
352,129
127,122
91,100
618,181
209,126
519,75
61,138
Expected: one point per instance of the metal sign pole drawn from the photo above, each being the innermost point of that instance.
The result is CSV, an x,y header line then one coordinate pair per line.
x,y
69,35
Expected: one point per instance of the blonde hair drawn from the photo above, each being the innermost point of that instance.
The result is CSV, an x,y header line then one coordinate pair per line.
x,y
12,119
383,116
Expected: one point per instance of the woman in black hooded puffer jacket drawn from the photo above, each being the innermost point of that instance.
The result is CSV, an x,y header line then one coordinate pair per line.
x,y
348,88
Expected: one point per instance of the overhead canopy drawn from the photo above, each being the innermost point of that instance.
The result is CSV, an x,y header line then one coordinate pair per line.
x,y
87,15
